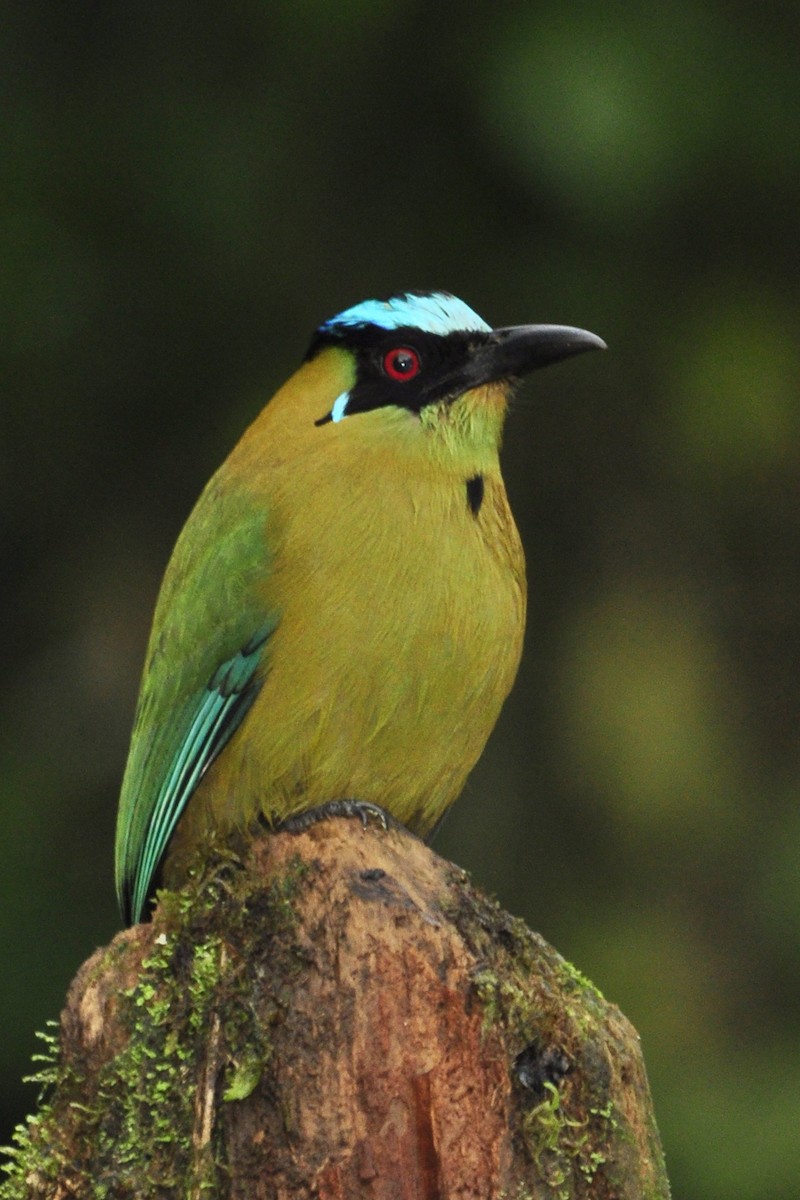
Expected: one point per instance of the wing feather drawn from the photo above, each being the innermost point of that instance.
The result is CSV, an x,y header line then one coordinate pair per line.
x,y
219,712
207,657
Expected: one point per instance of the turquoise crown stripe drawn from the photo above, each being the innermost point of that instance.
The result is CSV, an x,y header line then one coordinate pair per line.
x,y
433,312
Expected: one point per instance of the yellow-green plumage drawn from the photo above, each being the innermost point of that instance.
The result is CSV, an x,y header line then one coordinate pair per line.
x,y
390,612
401,613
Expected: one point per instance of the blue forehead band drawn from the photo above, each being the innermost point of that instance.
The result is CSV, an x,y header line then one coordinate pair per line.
x,y
433,312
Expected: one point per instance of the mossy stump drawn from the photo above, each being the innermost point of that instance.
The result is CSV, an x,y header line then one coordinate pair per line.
x,y
338,1014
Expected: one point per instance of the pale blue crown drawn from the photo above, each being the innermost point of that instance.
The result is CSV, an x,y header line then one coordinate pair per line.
x,y
434,312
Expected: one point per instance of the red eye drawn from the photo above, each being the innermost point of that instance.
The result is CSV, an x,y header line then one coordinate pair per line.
x,y
401,364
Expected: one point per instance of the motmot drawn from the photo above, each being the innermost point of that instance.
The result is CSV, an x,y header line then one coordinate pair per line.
x,y
342,616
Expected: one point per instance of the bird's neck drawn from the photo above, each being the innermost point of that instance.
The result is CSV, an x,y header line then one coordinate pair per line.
x,y
466,433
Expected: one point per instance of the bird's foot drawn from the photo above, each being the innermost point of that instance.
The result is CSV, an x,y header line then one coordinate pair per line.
x,y
338,808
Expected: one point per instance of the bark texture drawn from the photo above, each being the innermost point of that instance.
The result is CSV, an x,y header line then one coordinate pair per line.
x,y
338,1014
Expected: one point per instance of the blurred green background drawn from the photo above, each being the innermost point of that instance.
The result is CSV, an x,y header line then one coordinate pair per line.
x,y
188,189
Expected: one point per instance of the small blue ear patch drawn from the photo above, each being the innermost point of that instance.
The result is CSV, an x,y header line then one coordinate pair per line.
x,y
338,411
432,312
339,406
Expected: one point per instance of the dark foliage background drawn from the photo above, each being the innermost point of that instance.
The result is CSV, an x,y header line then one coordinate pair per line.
x,y
187,190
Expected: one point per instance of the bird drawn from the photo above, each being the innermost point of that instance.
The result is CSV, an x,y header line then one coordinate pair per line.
x,y
342,616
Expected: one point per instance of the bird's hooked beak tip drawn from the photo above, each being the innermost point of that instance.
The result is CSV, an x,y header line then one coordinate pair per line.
x,y
592,341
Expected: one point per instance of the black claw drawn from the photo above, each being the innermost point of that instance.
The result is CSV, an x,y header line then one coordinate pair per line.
x,y
362,809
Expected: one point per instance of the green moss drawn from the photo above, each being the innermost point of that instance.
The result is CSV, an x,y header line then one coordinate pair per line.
x,y
146,1095
560,1146
25,1153
244,1078
574,980
553,1140
193,1035
506,1002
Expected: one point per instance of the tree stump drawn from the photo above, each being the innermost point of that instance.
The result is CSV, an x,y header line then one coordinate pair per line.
x,y
338,1014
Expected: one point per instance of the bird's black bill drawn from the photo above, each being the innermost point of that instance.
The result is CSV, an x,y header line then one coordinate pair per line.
x,y
522,348
512,352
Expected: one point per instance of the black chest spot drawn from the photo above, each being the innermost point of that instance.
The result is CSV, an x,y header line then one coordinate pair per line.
x,y
475,494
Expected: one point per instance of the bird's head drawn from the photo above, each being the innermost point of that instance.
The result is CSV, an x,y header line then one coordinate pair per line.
x,y
423,367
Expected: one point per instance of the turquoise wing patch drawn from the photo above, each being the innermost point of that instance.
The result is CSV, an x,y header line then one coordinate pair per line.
x,y
210,721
